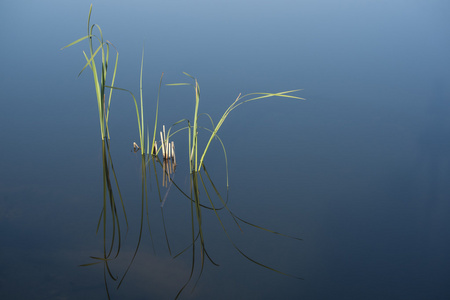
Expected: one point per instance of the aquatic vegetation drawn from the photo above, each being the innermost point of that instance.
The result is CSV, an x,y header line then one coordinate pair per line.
x,y
203,194
100,77
197,168
195,163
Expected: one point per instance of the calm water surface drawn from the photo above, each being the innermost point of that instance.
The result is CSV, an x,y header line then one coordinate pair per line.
x,y
360,170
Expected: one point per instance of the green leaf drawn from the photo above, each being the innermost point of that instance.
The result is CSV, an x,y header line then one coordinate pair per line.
x,y
77,41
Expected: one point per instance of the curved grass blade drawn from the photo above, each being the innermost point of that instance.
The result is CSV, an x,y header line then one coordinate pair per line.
x,y
141,134
237,248
235,217
224,152
212,123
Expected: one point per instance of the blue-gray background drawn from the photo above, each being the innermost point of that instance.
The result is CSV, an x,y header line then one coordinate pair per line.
x,y
360,170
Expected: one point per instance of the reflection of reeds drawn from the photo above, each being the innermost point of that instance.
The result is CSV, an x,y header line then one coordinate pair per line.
x,y
168,154
201,182
109,220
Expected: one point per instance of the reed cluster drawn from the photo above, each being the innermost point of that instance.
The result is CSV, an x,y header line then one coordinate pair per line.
x,y
200,181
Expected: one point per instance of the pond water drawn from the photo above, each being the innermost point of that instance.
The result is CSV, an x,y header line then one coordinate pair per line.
x,y
359,171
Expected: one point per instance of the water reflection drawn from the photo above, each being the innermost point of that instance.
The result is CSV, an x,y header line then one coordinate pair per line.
x,y
203,197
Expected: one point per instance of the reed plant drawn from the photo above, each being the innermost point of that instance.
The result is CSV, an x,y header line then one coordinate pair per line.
x,y
109,220
201,181
99,73
196,161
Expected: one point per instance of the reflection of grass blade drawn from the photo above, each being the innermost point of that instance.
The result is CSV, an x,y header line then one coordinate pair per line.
x,y
160,201
242,220
117,185
192,200
193,248
224,203
203,252
234,245
198,213
263,265
144,203
106,283
108,188
90,264
188,247
144,192
266,229
108,196
140,229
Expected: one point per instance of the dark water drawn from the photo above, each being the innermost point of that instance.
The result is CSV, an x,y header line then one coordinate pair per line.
x,y
360,171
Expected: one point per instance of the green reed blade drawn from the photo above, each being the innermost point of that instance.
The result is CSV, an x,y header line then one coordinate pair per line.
x,y
195,127
178,130
209,117
148,141
156,114
234,105
141,134
177,84
112,84
224,152
189,75
142,104
89,60
89,17
76,42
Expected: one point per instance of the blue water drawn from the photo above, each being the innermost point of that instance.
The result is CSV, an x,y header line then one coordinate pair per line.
x,y
360,170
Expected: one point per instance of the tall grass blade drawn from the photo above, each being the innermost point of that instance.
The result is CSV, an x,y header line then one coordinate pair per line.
x,y
156,114
76,42
141,133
